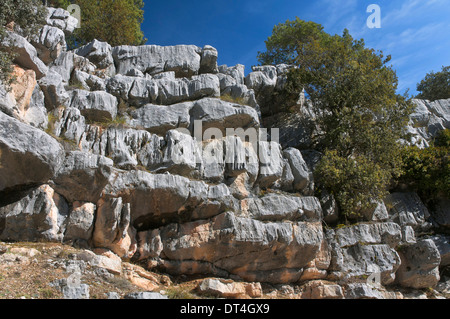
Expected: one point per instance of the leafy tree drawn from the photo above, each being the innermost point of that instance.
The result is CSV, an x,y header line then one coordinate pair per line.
x,y
435,86
288,40
117,22
29,15
361,118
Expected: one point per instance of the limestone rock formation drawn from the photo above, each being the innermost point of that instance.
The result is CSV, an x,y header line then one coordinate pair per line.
x,y
159,155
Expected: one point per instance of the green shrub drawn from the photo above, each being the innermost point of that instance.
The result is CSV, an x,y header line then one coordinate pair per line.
x,y
427,171
435,85
355,182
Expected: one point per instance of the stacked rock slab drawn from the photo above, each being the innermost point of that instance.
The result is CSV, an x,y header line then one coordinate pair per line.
x,y
158,154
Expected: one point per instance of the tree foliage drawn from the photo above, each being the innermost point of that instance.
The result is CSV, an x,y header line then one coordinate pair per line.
x,y
29,16
361,118
435,86
117,22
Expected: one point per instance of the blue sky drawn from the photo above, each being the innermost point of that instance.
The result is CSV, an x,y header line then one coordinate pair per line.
x,y
416,33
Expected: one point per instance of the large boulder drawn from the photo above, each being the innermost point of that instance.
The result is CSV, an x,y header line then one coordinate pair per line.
x,y
161,118
171,91
26,54
80,223
208,63
28,156
159,199
420,265
61,19
95,106
83,176
218,114
271,163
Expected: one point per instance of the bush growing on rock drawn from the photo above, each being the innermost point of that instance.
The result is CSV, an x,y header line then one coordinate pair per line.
x,y
427,170
435,85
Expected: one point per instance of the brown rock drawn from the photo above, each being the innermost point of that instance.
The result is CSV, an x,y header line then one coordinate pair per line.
x,y
22,88
319,289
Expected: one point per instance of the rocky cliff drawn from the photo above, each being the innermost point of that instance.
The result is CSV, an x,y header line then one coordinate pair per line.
x,y
141,152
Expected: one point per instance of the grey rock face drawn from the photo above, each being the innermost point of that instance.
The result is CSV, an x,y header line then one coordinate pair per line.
x,y
7,102
427,120
182,155
80,222
40,215
236,72
28,155
362,291
87,81
160,119
54,91
240,157
208,63
112,222
184,89
420,265
215,113
62,19
36,115
442,243
98,53
153,59
83,176
213,160
271,163
280,207
70,124
95,106
126,147
50,42
406,209
159,199
365,249
303,177
227,242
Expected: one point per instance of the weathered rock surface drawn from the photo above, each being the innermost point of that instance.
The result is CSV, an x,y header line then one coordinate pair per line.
x,y
420,265
27,56
83,176
225,243
38,216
